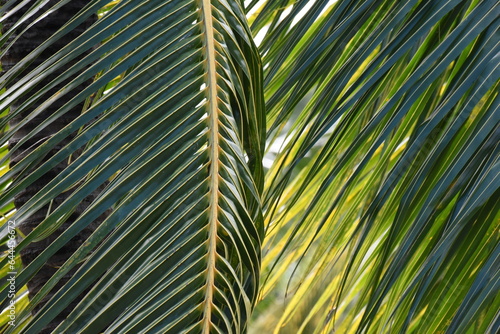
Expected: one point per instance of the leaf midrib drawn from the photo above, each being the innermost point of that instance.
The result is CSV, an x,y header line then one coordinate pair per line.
x,y
213,119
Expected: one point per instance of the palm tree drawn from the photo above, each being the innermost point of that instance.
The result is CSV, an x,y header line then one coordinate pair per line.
x,y
375,208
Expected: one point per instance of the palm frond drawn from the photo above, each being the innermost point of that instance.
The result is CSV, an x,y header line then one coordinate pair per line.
x,y
386,116
180,135
379,204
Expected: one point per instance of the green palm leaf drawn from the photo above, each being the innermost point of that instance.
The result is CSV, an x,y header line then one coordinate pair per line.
x,y
386,115
180,135
379,198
